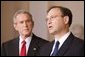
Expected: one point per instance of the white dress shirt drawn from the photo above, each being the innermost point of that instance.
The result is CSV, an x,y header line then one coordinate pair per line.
x,y
61,41
28,40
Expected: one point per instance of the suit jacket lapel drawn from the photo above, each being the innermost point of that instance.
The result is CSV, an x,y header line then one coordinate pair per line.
x,y
15,47
50,48
33,46
47,49
65,45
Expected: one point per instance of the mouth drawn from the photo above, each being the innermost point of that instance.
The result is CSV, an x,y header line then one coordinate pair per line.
x,y
50,27
26,29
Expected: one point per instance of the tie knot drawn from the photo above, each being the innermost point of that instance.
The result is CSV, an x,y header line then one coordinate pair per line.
x,y
24,42
57,43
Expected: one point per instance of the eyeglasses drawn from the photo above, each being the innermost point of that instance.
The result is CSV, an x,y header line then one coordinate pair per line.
x,y
53,17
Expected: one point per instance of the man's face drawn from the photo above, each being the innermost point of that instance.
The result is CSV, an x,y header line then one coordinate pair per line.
x,y
23,24
55,21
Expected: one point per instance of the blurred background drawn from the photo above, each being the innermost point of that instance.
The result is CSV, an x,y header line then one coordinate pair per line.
x,y
38,10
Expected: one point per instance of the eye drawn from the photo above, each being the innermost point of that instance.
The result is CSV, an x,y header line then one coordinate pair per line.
x,y
28,21
46,19
21,22
53,16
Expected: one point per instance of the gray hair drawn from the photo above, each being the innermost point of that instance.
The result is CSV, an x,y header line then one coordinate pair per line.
x,y
21,12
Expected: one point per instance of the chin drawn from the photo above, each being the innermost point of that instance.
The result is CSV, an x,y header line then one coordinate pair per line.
x,y
52,32
26,33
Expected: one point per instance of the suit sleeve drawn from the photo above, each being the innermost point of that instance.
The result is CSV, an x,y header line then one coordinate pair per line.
x,y
2,50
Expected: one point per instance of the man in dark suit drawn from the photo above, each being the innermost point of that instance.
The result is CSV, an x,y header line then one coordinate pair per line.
x,y
23,23
59,20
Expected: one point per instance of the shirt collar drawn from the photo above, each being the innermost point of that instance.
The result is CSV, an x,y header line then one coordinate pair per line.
x,y
62,39
28,39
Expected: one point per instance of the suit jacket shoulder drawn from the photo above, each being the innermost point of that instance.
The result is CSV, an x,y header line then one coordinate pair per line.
x,y
10,48
46,49
35,45
72,46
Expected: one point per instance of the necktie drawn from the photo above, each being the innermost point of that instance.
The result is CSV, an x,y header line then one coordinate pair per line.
x,y
23,49
55,49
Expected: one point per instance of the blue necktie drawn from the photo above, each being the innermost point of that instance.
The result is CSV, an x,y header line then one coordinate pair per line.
x,y
55,49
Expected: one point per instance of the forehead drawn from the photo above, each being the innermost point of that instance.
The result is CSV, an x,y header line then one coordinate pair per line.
x,y
55,11
22,15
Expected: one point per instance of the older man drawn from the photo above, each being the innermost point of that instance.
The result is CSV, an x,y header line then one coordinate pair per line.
x,y
27,44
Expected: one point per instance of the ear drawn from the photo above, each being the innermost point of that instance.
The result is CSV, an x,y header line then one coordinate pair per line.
x,y
66,19
15,26
33,23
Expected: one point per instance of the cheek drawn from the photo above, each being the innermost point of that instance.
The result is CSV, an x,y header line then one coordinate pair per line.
x,y
19,28
30,25
47,24
61,22
58,23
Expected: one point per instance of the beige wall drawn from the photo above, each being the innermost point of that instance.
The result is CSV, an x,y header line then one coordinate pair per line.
x,y
38,10
39,14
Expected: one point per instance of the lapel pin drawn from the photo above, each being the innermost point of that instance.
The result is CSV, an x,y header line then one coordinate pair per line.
x,y
34,48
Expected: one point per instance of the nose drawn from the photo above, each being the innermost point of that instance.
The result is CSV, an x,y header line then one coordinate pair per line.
x,y
49,21
25,24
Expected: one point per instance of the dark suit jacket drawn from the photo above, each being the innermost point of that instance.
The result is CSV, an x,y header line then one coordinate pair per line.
x,y
11,48
71,47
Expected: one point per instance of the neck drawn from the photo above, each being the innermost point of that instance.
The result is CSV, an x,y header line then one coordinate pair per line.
x,y
25,36
60,34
